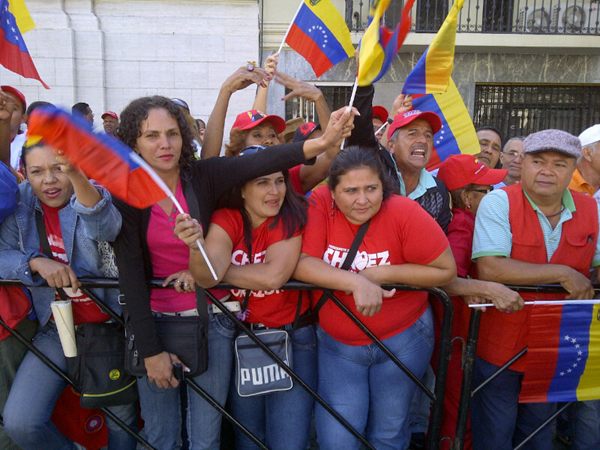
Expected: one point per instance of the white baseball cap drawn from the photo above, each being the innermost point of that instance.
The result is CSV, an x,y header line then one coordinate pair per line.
x,y
590,136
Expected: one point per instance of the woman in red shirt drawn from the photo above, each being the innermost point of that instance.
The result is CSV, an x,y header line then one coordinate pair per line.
x,y
403,244
468,181
255,245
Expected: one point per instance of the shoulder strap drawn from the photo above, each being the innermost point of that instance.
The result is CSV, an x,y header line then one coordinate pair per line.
x,y
360,234
192,201
45,245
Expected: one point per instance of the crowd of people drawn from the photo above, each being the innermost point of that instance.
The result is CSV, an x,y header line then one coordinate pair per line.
x,y
293,205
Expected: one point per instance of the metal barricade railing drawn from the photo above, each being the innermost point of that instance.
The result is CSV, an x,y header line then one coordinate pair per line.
x,y
436,396
468,392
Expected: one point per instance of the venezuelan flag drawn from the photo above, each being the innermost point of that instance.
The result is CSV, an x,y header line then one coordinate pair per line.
x,y
14,54
432,72
22,16
379,44
100,156
320,35
457,134
563,356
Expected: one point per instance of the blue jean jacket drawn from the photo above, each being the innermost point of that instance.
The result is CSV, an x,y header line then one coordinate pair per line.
x,y
81,228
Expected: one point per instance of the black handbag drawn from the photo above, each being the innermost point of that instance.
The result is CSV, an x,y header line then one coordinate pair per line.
x,y
98,370
186,337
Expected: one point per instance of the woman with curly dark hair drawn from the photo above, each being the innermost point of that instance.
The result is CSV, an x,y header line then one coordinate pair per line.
x,y
156,129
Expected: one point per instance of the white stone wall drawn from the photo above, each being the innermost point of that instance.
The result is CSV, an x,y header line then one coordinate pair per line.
x,y
108,52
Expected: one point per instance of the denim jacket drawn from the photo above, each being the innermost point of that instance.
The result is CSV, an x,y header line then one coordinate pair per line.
x,y
81,228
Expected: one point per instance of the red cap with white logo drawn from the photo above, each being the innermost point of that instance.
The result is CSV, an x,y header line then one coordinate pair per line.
x,y
459,171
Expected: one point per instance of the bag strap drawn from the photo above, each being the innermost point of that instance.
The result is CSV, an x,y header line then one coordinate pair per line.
x,y
360,234
45,245
192,201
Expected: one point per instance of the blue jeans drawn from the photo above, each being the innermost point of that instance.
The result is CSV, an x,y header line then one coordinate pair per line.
x,y
586,425
161,409
34,393
364,386
281,419
498,420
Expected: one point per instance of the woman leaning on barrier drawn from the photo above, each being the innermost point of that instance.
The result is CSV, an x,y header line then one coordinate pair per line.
x,y
75,216
255,246
402,244
146,247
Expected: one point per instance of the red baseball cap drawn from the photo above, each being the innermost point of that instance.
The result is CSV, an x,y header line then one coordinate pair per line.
x,y
403,119
110,114
459,171
253,118
379,112
17,93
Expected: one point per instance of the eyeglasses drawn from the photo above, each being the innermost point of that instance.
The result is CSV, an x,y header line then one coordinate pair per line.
x,y
481,191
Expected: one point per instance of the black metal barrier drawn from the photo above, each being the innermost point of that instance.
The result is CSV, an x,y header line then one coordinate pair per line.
x,y
468,391
436,396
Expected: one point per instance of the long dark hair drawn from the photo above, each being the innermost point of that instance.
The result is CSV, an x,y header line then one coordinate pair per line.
x,y
293,212
136,112
355,157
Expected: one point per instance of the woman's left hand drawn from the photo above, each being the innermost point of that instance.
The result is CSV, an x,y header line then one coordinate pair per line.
x,y
184,282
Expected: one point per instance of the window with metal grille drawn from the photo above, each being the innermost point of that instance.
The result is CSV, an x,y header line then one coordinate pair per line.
x,y
336,96
521,109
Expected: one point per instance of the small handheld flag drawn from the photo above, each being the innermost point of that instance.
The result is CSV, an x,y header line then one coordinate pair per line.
x,y
318,33
432,72
13,51
379,44
105,159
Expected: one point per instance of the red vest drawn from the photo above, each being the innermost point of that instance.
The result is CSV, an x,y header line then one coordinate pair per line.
x,y
503,335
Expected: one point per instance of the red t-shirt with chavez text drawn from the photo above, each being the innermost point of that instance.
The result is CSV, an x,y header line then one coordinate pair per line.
x,y
271,308
84,309
401,232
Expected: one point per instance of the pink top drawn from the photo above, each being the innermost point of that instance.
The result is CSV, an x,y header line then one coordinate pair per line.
x,y
168,255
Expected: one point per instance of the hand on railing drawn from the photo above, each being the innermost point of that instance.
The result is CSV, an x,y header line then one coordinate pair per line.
x,y
368,296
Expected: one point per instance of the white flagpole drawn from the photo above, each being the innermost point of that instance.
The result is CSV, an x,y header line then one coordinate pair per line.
x,y
289,27
352,96
592,301
138,159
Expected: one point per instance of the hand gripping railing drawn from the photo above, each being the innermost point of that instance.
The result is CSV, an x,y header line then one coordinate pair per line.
x,y
468,391
436,396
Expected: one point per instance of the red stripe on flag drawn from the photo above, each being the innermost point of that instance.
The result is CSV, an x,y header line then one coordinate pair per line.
x,y
304,45
97,160
17,61
544,333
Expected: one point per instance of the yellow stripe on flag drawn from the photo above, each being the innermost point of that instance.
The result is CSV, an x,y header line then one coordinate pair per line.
x,y
22,16
458,119
334,21
440,54
589,383
371,55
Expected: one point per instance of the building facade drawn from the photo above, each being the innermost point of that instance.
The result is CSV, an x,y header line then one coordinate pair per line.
x,y
108,52
521,65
